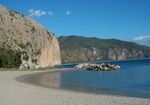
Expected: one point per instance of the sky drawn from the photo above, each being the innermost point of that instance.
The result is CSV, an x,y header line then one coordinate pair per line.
x,y
119,19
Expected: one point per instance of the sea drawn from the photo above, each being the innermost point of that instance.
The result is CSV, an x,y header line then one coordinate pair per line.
x,y
133,79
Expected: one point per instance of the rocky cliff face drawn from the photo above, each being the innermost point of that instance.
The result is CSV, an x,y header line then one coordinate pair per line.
x,y
82,49
37,47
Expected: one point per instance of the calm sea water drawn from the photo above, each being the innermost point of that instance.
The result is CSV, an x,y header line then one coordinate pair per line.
x,y
133,79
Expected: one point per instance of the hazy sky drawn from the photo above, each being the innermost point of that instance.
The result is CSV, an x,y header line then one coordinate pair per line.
x,y
121,19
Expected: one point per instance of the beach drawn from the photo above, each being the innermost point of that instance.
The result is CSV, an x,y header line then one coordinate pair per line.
x,y
13,92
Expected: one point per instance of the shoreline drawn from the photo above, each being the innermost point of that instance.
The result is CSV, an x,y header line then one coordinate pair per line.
x,y
18,93
34,78
43,80
103,61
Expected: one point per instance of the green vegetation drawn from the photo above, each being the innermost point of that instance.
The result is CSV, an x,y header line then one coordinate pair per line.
x,y
33,29
75,49
24,46
28,44
12,13
37,52
78,41
26,57
34,61
9,58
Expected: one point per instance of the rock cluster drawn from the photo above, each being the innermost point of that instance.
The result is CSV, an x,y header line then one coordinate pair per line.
x,y
97,67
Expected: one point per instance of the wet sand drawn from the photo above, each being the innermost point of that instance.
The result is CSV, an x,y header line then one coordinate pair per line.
x,y
14,92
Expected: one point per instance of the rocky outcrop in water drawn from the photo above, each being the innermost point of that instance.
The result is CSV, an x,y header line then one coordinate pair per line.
x,y
36,46
97,67
83,49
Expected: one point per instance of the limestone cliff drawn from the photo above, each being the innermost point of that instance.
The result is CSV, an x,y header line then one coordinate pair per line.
x,y
83,49
37,46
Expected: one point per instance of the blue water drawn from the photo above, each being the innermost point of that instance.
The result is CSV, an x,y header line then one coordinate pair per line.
x,y
133,79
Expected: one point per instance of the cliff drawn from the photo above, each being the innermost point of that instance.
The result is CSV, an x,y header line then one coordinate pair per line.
x,y
30,41
83,49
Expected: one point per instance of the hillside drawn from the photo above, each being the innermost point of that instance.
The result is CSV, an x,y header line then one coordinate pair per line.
x,y
83,49
25,43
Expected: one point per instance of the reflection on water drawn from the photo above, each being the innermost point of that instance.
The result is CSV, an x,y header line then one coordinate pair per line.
x,y
133,79
51,80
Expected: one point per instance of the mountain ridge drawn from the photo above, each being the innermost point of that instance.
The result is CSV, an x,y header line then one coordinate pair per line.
x,y
76,49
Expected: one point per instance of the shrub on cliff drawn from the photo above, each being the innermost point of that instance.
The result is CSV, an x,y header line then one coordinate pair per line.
x,y
9,58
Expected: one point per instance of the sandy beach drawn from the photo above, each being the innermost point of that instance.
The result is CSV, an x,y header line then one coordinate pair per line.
x,y
13,92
